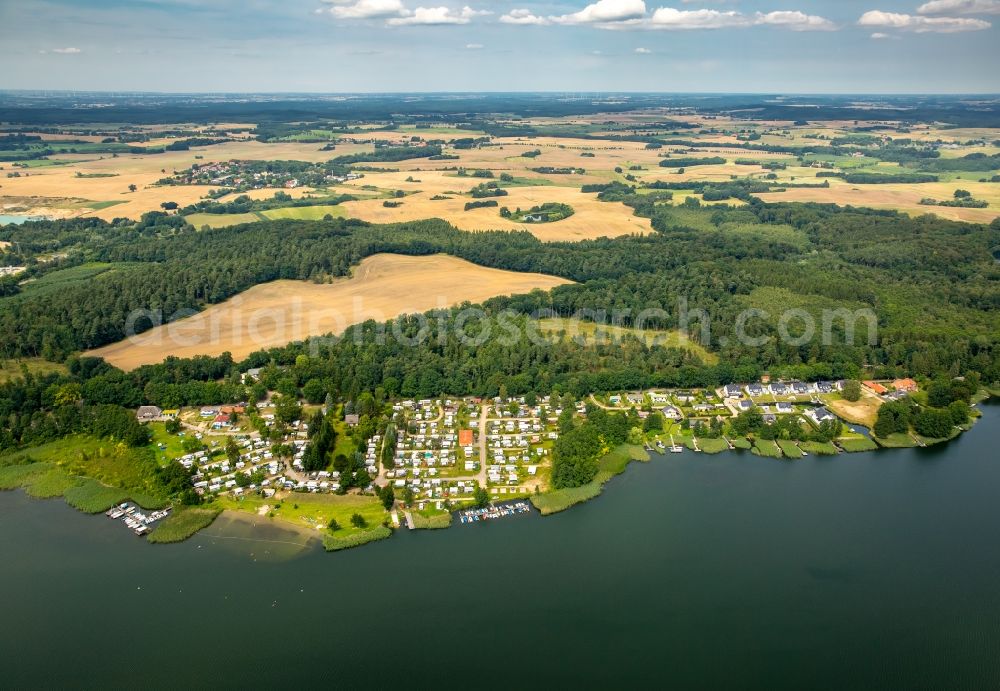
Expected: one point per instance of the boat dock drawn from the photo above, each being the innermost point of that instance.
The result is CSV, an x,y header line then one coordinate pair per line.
x,y
135,519
491,512
674,448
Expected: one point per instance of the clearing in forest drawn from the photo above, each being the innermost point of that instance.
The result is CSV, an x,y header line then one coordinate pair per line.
x,y
280,312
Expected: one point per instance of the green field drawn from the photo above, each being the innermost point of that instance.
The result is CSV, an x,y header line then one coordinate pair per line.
x,y
61,279
305,213
14,369
221,220
591,333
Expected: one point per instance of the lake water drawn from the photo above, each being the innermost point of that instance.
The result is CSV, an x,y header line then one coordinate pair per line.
x,y
7,219
732,571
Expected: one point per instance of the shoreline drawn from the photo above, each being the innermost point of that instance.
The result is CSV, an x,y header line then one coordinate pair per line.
x,y
32,478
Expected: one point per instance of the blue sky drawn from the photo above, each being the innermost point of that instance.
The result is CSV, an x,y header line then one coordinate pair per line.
x,y
793,46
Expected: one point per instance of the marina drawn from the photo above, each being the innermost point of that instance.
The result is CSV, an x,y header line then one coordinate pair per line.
x,y
491,512
134,518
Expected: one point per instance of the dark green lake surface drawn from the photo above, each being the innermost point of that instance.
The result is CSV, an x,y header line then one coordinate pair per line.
x,y
877,570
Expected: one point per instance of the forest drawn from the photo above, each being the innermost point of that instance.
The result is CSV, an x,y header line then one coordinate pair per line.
x,y
931,282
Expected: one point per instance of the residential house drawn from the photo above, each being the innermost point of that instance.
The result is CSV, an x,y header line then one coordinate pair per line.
x,y
352,419
147,413
733,391
672,412
820,414
783,407
904,385
755,390
874,386
778,388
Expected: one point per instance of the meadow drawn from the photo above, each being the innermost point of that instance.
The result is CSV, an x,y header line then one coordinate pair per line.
x,y
590,333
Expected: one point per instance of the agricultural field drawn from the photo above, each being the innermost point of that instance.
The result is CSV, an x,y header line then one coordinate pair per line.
x,y
94,179
273,314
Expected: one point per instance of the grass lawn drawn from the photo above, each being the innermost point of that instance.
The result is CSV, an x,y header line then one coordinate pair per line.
x,y
712,445
898,440
312,512
182,524
741,442
789,449
819,448
766,447
855,444
173,443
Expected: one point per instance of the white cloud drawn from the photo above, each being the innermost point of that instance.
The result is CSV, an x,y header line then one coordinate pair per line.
x,y
878,36
671,18
795,20
643,51
370,9
63,51
524,17
960,7
920,25
474,46
604,11
431,16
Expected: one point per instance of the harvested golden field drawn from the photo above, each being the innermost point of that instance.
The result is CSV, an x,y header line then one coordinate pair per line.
x,y
273,314
861,412
47,186
904,197
592,218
